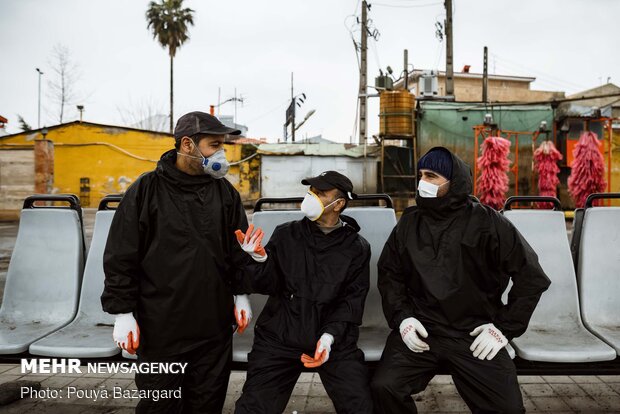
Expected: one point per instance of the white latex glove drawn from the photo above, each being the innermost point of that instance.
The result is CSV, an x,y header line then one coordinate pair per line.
x,y
250,243
489,342
126,332
321,355
243,312
410,328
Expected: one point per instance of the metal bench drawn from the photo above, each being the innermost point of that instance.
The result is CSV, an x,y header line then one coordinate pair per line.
x,y
598,282
599,270
89,335
555,332
376,224
45,272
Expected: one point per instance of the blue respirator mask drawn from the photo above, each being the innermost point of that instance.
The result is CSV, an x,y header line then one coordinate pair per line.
x,y
216,165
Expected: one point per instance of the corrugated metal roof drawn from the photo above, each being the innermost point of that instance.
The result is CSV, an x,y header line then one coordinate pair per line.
x,y
321,150
49,128
489,107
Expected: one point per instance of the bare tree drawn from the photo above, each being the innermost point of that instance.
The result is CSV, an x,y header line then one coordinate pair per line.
x,y
145,114
23,125
65,75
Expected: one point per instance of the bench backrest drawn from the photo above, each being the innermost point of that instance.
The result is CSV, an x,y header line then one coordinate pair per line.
x,y
45,271
376,224
545,231
92,286
599,266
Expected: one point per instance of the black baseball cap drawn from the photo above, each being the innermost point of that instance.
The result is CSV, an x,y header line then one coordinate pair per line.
x,y
329,180
196,122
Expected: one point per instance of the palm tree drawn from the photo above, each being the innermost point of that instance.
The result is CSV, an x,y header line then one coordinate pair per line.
x,y
169,22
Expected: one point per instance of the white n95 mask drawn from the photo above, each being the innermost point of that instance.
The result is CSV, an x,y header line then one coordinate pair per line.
x,y
312,206
428,190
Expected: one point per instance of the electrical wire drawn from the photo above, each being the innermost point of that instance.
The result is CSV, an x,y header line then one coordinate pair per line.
x,y
119,149
106,144
275,108
375,52
541,73
244,160
538,79
396,6
440,50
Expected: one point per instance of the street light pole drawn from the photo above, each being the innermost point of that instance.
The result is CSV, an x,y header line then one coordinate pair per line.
x,y
293,114
39,110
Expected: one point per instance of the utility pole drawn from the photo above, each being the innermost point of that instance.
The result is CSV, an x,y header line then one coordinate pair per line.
x,y
406,64
39,110
485,77
293,113
449,55
219,90
81,109
363,69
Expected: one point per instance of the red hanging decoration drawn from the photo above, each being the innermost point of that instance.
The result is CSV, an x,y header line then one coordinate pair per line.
x,y
588,170
546,159
493,164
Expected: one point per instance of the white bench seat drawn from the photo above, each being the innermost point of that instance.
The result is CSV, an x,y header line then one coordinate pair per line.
x,y
556,332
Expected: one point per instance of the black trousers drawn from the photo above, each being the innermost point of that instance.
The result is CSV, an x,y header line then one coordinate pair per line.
x,y
203,386
486,386
271,379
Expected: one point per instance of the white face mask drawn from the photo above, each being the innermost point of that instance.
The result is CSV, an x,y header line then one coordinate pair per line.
x,y
312,206
216,165
428,190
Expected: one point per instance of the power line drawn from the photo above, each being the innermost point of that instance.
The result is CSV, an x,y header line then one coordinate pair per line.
x,y
410,1
413,6
357,6
439,54
376,53
539,79
544,74
275,108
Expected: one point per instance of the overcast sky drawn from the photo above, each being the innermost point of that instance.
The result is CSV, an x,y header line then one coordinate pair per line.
x,y
253,46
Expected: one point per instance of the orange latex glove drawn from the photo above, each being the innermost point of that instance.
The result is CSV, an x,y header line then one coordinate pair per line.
x,y
126,332
243,312
321,355
250,243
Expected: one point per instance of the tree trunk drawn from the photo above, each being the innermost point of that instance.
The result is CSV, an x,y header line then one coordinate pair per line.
x,y
62,94
171,95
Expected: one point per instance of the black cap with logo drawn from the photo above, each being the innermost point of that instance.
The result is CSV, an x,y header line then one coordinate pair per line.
x,y
329,180
194,123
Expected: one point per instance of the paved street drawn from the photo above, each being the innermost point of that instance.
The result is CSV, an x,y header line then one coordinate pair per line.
x,y
554,394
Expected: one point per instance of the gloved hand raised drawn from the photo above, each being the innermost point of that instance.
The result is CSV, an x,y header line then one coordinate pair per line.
x,y
243,312
321,355
250,243
410,328
489,342
126,332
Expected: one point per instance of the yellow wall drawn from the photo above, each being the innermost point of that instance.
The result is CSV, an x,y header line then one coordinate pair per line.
x,y
111,157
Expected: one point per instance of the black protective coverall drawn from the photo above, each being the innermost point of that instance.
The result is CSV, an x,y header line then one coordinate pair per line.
x,y
317,283
172,259
447,263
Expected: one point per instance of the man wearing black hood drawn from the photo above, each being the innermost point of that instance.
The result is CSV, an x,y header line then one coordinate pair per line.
x,y
442,273
172,265
316,273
